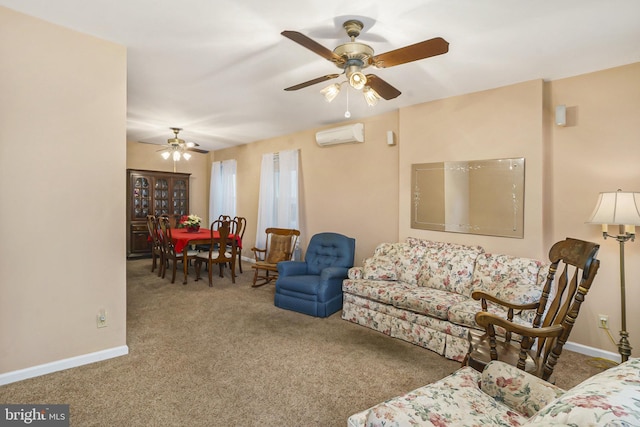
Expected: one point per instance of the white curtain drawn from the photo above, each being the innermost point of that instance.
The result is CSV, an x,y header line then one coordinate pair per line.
x,y
278,200
222,197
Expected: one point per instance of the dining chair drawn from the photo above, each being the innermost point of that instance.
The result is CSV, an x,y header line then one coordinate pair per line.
x,y
205,247
222,250
169,249
279,246
242,226
536,348
156,245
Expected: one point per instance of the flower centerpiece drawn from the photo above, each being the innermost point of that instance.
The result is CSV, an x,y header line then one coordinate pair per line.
x,y
190,222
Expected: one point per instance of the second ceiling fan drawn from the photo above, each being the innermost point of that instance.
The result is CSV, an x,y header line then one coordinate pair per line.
x,y
353,57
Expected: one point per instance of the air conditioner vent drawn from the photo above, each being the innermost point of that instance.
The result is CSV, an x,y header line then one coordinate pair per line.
x,y
341,135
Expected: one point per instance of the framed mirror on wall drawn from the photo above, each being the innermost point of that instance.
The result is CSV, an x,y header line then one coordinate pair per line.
x,y
474,197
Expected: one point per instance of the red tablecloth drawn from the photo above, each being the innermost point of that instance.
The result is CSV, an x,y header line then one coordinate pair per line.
x,y
182,237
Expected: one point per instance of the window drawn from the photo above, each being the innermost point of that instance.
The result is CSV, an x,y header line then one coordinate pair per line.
x,y
222,197
278,205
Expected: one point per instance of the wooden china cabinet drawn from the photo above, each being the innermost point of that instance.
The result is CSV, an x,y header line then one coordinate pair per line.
x,y
155,193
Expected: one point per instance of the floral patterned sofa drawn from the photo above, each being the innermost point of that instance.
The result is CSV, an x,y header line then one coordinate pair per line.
x,y
503,395
420,291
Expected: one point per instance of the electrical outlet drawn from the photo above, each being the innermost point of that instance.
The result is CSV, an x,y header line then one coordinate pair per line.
x,y
101,319
603,321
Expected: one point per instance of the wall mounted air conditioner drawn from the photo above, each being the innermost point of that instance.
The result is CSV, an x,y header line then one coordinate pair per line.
x,y
341,135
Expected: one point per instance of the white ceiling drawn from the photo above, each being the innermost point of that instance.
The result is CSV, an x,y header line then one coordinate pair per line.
x,y
217,68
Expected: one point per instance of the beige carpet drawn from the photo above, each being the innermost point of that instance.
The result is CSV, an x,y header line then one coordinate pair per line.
x,y
225,356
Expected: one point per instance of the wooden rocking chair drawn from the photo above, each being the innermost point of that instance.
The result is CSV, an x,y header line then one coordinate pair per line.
x,y
554,319
280,244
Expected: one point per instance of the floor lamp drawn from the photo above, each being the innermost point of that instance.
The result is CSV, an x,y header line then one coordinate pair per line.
x,y
619,208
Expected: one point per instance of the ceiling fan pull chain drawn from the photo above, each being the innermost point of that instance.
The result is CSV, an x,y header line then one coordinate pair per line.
x,y
347,113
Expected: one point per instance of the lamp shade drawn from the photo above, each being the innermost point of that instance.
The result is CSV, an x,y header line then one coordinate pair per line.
x,y
617,208
331,91
371,96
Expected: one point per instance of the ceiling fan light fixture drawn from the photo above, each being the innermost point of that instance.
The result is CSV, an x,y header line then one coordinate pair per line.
x,y
353,70
371,96
330,92
186,156
357,80
165,155
176,156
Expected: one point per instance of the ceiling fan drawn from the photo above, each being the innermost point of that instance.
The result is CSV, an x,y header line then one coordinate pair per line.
x,y
178,148
353,57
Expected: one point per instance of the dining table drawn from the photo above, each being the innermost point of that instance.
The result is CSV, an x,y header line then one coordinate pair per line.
x,y
184,238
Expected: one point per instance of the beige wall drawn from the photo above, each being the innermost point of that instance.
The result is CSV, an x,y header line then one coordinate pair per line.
x,y
62,163
499,123
349,189
566,168
146,157
598,150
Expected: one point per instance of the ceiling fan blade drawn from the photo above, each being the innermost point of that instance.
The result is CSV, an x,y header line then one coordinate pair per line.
x,y
147,142
314,81
312,45
197,150
381,87
414,52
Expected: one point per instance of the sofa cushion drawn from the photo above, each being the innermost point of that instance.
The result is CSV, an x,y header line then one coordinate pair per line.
x,y
354,273
279,249
517,389
464,313
410,261
449,268
375,290
416,241
381,267
610,398
454,400
427,301
429,322
512,279
388,249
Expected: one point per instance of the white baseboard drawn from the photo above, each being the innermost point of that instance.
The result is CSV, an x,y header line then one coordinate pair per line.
x,y
592,351
61,365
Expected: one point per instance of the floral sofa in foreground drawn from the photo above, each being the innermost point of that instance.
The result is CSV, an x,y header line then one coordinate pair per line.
x,y
420,291
503,395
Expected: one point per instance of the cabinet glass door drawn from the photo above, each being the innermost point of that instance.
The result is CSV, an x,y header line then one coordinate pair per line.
x,y
180,197
161,196
141,197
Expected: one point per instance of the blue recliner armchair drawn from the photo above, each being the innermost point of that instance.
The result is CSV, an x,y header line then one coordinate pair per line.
x,y
314,286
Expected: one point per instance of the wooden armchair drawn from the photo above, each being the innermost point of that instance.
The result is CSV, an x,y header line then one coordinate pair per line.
x,y
280,244
156,244
554,318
